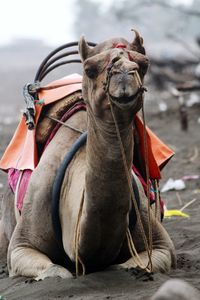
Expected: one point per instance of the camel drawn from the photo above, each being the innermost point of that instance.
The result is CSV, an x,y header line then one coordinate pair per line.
x,y
95,198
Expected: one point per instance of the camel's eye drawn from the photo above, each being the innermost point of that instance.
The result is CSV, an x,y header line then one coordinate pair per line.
x,y
143,65
143,69
91,71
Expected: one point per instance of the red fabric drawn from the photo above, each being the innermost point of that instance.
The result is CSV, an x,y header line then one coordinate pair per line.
x,y
158,153
13,177
143,182
120,46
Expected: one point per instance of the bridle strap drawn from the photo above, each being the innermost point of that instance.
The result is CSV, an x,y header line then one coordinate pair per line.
x,y
148,246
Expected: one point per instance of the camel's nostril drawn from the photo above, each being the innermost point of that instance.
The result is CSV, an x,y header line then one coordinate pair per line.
x,y
115,59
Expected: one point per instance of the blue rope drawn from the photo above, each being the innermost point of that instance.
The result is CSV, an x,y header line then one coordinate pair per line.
x,y
58,184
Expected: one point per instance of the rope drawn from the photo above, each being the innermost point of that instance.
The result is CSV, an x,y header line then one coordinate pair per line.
x,y
136,258
146,158
157,200
76,238
64,124
130,240
147,172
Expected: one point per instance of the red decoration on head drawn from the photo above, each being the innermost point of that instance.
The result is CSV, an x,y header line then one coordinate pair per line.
x,y
119,46
123,46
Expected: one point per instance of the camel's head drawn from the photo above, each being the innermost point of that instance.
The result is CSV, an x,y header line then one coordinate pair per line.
x,y
114,71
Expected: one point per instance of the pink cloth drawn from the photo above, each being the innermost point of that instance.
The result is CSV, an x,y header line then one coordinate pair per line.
x,y
13,177
144,184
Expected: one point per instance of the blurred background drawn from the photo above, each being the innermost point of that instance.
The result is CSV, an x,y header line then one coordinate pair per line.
x,y
31,29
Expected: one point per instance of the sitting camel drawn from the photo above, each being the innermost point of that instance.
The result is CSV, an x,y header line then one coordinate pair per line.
x,y
95,198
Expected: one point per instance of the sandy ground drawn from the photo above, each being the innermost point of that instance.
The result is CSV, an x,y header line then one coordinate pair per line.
x,y
185,232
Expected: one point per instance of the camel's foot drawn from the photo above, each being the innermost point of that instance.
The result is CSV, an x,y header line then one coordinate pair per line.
x,y
140,272
134,270
129,264
160,259
54,271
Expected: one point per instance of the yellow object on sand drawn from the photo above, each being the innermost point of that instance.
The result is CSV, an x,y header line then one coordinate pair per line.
x,y
168,213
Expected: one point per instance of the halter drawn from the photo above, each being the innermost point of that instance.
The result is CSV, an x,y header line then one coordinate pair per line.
x,y
109,72
140,91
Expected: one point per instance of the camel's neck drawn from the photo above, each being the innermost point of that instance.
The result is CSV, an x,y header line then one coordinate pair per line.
x,y
104,157
107,195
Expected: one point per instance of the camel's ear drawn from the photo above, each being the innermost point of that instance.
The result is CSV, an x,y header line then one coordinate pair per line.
x,y
84,49
137,44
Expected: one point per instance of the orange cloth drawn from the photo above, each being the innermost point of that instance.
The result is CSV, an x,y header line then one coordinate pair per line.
x,y
21,153
158,153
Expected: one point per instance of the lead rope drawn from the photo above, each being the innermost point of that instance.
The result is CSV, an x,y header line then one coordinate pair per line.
x,y
131,245
146,157
157,200
64,124
76,238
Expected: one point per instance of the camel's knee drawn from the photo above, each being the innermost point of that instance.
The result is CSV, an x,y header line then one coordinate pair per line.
x,y
161,261
29,262
8,213
25,261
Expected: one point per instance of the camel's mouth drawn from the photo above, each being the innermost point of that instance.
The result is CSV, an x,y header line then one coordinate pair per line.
x,y
125,100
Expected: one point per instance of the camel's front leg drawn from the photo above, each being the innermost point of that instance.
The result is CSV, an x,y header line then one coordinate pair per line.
x,y
28,262
163,256
3,243
160,258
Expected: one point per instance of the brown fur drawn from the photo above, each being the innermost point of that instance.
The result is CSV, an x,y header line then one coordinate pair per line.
x,y
96,174
7,223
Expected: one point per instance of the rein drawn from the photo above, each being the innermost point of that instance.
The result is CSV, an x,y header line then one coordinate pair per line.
x,y
64,124
131,245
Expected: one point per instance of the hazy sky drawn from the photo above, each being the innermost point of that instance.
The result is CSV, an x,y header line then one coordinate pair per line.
x,y
49,20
